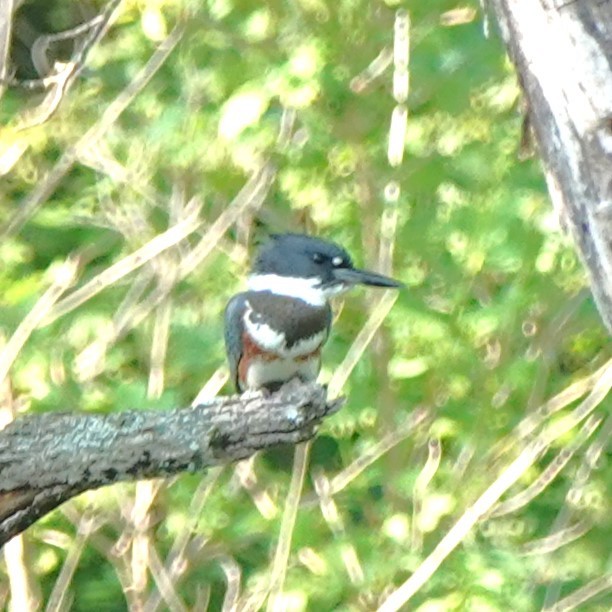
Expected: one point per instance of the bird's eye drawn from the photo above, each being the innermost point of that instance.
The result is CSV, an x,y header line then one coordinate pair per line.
x,y
337,261
317,258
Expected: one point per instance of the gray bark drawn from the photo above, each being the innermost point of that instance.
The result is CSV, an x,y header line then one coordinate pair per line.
x,y
562,50
7,8
48,458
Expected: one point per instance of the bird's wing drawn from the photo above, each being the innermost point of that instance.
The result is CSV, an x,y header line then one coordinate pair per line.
x,y
330,319
234,327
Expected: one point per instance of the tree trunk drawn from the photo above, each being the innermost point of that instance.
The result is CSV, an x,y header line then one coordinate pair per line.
x,y
563,55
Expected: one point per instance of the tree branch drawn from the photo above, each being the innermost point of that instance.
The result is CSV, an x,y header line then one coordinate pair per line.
x,y
562,50
47,459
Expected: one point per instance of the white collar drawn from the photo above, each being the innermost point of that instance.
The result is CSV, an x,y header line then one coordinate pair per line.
x,y
307,289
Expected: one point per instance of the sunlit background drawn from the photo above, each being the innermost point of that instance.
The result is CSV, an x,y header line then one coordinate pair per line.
x,y
194,131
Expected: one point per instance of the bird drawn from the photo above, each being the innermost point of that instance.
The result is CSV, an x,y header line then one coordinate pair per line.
x,y
275,330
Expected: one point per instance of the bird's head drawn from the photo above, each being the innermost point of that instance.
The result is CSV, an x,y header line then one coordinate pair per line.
x,y
309,268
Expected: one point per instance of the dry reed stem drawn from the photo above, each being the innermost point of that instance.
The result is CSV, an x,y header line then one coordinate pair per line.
x,y
551,471
64,277
202,599
509,476
104,545
302,451
20,584
164,581
283,546
232,572
89,362
557,539
144,496
159,349
332,517
175,563
21,595
364,338
328,506
460,529
373,71
143,550
58,597
251,196
379,311
246,475
212,386
581,595
46,187
352,471
532,421
425,476
128,264
132,314
100,158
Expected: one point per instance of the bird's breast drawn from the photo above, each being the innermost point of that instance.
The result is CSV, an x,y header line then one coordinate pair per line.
x,y
259,367
284,326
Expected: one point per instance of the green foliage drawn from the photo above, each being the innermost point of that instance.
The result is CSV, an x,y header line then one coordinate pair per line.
x,y
494,319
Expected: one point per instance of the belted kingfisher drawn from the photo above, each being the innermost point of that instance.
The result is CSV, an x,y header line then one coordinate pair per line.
x,y
274,331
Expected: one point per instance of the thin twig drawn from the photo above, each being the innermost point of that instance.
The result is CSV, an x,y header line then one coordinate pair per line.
x,y
40,46
250,196
212,386
373,71
89,362
329,509
461,528
138,529
245,473
103,545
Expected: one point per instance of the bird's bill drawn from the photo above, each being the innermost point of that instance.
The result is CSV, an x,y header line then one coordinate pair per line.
x,y
365,277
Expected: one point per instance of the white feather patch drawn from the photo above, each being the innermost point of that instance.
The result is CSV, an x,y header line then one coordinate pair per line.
x,y
261,372
306,289
263,335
